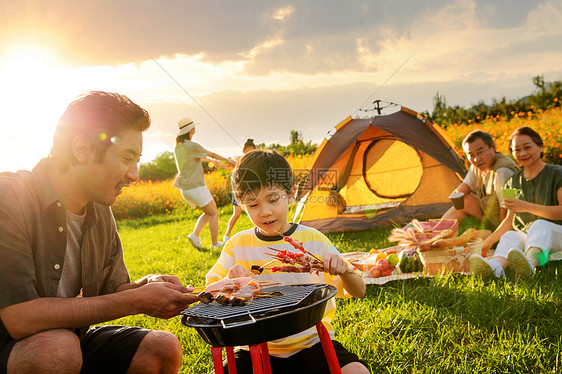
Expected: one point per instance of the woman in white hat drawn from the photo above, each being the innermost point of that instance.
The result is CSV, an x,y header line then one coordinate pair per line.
x,y
189,156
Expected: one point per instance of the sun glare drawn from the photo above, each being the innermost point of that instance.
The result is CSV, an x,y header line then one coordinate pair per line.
x,y
33,93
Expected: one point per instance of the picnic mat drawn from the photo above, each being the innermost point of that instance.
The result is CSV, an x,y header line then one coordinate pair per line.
x,y
397,275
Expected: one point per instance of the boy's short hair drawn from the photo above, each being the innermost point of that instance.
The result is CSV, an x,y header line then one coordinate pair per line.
x,y
99,115
479,134
261,168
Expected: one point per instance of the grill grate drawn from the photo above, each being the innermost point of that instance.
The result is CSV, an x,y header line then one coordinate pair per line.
x,y
291,296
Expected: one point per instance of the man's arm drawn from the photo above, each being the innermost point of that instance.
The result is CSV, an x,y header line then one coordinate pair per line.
x,y
464,188
156,299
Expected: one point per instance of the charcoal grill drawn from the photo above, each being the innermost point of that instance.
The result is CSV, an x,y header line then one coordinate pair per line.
x,y
263,319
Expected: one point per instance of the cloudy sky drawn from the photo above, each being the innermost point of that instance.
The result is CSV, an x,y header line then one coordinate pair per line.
x,y
258,69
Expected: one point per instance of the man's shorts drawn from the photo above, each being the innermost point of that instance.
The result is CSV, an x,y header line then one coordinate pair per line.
x,y
105,349
308,361
197,197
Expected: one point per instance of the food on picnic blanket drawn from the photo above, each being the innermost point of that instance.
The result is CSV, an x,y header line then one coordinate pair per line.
x,y
411,237
381,269
392,259
409,261
466,236
415,234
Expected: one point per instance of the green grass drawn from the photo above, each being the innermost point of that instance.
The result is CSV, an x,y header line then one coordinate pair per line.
x,y
448,324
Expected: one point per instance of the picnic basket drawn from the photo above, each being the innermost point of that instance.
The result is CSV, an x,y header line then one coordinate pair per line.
x,y
451,259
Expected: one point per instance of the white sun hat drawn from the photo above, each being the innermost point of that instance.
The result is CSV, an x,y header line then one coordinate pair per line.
x,y
185,125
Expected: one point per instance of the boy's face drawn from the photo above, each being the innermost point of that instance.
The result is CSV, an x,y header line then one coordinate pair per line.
x,y
268,208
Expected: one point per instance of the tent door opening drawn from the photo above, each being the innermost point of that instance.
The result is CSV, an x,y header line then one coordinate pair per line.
x,y
383,174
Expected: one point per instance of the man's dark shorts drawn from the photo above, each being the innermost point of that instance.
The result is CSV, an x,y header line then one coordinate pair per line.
x,y
308,361
105,349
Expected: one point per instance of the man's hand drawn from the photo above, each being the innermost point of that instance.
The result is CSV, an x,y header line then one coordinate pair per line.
x,y
151,278
163,299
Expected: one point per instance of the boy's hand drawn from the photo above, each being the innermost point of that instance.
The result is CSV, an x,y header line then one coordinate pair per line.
x,y
334,264
237,271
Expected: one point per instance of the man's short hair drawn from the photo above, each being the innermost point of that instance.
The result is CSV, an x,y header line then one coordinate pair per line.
x,y
479,134
258,169
102,117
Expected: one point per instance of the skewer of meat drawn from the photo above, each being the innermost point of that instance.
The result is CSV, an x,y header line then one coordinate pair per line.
x,y
257,270
233,291
295,269
295,258
298,245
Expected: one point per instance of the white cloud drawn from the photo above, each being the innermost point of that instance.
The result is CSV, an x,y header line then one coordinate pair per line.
x,y
282,13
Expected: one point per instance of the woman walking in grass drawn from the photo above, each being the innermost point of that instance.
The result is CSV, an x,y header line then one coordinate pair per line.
x,y
533,226
189,161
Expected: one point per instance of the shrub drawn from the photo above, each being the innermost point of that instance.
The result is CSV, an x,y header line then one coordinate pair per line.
x,y
145,198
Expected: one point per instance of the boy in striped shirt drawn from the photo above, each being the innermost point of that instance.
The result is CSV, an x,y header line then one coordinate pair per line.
x,y
263,184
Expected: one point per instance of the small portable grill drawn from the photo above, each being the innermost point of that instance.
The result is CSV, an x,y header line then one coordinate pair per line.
x,y
262,319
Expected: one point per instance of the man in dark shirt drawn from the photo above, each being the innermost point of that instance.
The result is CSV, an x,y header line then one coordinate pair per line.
x,y
61,259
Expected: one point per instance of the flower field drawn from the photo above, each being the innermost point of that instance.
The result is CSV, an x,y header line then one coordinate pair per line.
x,y
547,123
145,198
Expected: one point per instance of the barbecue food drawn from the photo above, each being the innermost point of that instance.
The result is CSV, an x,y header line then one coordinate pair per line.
x,y
233,291
292,269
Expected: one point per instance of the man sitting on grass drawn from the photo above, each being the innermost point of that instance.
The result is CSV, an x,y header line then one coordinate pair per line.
x,y
61,259
263,185
482,185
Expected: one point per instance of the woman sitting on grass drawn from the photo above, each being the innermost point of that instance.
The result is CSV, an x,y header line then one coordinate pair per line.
x,y
533,226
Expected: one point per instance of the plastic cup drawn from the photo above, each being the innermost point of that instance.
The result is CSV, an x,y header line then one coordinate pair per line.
x,y
457,198
511,193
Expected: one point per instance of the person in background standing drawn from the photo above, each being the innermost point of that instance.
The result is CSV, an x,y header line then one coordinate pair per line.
x,y
236,210
191,181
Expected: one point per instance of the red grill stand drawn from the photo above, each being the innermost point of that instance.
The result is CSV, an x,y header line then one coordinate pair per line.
x,y
260,355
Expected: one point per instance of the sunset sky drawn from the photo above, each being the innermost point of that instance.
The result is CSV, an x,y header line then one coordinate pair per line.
x,y
261,68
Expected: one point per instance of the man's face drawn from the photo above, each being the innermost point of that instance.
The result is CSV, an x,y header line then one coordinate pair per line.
x,y
267,208
480,154
104,181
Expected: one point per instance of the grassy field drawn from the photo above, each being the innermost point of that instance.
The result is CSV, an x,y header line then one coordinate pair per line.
x,y
449,324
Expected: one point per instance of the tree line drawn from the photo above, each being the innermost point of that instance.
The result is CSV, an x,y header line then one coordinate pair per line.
x,y
546,96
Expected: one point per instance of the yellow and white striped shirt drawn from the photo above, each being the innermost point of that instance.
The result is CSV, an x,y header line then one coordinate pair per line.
x,y
249,248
